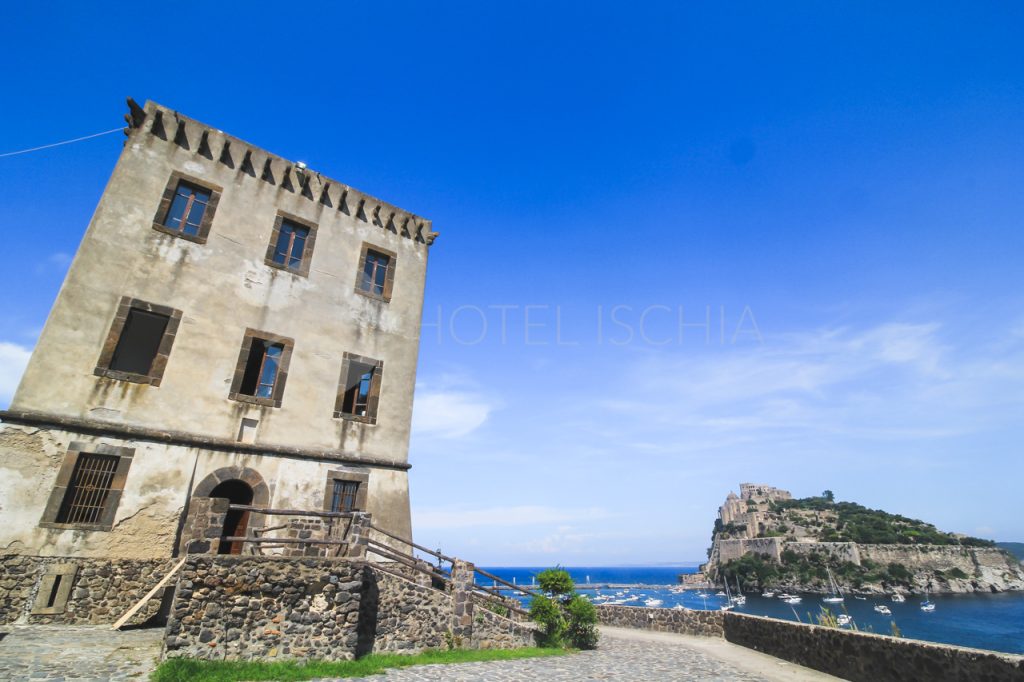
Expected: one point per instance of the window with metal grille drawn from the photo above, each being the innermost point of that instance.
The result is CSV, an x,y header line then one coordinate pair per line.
x,y
358,384
261,369
375,272
291,244
187,208
344,499
90,485
139,342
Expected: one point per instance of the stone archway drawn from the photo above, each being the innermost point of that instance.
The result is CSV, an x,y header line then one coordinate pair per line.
x,y
239,485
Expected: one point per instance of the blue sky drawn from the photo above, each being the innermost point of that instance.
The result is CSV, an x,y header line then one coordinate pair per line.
x,y
835,186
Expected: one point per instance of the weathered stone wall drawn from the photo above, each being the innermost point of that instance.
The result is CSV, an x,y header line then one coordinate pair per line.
x,y
864,657
272,607
265,608
680,621
840,551
101,591
728,550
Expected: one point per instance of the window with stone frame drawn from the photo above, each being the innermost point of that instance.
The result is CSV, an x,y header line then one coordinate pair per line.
x,y
291,244
359,388
262,368
139,342
376,276
88,487
346,491
187,207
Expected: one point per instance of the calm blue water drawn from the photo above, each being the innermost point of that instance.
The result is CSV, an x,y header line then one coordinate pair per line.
x,y
984,621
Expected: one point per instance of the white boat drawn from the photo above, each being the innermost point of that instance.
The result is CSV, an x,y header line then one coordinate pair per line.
x,y
719,594
844,620
768,594
883,609
857,596
898,598
784,595
726,607
927,606
678,607
837,595
793,600
652,602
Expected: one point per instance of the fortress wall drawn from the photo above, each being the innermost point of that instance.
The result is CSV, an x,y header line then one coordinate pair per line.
x,y
840,551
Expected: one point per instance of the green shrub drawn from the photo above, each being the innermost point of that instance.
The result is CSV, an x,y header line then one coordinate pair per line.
x,y
546,613
582,626
566,617
556,582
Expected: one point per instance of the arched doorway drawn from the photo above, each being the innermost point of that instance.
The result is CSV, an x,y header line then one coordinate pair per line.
x,y
236,522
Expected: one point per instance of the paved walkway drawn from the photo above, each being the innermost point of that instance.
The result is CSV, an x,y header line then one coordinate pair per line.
x,y
625,655
32,653
78,653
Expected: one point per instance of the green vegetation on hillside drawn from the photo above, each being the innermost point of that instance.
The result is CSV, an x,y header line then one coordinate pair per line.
x,y
809,570
856,523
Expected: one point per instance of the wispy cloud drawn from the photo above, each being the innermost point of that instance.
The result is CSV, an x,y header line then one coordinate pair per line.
x,y
13,359
451,408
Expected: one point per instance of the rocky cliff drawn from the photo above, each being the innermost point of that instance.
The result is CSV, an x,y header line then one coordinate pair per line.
x,y
766,538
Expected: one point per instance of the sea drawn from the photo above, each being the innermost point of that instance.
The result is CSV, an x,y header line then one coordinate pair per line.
x,y
982,621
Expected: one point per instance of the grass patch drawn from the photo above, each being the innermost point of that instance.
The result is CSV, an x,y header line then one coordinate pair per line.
x,y
195,670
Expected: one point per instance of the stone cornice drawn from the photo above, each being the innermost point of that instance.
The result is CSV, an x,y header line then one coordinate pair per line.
x,y
125,431
262,166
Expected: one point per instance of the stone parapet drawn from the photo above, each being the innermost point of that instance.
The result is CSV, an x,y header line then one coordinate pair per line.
x,y
679,621
865,657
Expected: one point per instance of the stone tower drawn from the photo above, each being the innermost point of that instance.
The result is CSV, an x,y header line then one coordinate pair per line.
x,y
233,325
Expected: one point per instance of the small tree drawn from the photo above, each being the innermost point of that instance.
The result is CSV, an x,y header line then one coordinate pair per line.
x,y
829,495
565,617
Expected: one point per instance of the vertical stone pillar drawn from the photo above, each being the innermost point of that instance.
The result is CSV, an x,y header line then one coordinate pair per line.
x,y
204,525
358,533
463,579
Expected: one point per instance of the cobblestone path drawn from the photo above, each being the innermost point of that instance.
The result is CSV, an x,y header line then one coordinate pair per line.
x,y
79,653
34,653
623,655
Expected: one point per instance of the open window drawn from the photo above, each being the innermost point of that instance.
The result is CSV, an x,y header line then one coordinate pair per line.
x,y
262,368
139,342
88,487
376,276
291,244
359,389
186,208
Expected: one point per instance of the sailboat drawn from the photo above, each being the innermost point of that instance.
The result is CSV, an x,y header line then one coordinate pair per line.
x,y
837,596
738,599
729,605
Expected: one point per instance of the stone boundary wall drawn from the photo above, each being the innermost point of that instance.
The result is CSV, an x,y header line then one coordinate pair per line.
x,y
101,590
866,657
267,608
679,621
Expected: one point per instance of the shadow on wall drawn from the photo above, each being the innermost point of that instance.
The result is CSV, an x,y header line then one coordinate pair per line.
x,y
369,603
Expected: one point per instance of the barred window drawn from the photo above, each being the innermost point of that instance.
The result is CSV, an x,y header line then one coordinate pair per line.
x,y
91,481
344,498
88,488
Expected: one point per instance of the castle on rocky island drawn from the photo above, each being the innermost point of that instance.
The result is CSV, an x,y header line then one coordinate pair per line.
x,y
773,538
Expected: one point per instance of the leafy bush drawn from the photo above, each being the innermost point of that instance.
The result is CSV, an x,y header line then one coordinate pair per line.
x,y
582,628
548,615
566,617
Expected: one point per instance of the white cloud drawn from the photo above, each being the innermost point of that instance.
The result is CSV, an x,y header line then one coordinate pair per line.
x,y
448,412
525,515
13,359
